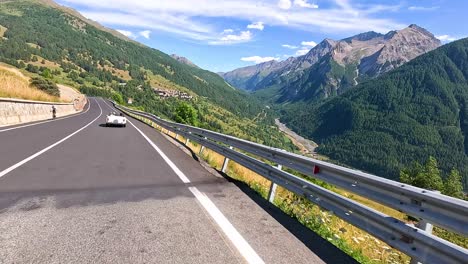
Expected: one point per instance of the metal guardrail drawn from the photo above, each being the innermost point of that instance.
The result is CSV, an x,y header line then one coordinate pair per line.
x,y
429,207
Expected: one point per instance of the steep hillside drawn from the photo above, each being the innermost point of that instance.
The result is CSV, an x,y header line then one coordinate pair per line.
x,y
13,84
247,78
64,39
59,44
406,115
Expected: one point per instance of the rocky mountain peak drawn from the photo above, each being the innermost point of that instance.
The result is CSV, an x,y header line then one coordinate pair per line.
x,y
364,36
359,57
183,60
400,47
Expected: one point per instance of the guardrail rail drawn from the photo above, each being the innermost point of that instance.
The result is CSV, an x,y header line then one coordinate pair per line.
x,y
431,208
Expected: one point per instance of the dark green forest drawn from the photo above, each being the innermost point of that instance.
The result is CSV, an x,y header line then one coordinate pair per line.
x,y
411,113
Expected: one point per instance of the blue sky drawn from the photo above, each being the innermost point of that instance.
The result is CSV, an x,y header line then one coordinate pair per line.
x,y
221,35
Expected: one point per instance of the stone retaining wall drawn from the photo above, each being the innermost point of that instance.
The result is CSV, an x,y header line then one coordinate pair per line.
x,y
16,111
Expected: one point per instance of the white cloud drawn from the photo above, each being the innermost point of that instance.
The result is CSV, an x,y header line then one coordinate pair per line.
x,y
446,38
309,43
145,34
284,4
256,25
304,3
302,51
289,46
198,22
423,8
227,31
243,36
126,33
258,59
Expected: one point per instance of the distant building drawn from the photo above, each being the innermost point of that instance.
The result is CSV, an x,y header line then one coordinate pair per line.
x,y
130,101
163,93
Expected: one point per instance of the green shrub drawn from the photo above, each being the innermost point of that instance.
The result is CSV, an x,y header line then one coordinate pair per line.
x,y
46,86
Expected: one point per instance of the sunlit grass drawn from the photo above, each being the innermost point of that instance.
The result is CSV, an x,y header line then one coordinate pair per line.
x,y
13,85
352,240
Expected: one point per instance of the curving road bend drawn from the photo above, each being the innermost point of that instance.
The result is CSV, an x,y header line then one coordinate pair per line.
x,y
74,191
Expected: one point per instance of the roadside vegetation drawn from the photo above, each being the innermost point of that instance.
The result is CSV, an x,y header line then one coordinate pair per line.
x,y
15,85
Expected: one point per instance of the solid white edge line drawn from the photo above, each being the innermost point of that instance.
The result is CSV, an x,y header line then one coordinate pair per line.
x,y
165,158
228,229
43,122
11,168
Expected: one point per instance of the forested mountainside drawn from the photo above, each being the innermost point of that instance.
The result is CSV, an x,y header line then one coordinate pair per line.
x,y
411,113
332,66
57,43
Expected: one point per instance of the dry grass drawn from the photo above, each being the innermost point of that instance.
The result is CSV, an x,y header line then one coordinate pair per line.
x,y
125,75
14,85
48,64
2,31
372,248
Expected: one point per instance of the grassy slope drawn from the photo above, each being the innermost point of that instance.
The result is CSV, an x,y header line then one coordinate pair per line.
x,y
13,84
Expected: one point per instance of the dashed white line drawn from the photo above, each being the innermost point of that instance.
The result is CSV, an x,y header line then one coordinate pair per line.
x,y
228,229
11,168
43,122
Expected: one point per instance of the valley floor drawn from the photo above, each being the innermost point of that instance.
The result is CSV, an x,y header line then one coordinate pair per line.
x,y
306,146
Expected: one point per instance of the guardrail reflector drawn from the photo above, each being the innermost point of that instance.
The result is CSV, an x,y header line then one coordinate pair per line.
x,y
316,169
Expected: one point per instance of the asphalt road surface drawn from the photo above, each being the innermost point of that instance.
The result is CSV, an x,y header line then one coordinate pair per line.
x,y
75,191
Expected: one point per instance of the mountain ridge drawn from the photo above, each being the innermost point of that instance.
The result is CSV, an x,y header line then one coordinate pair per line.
x,y
408,114
365,55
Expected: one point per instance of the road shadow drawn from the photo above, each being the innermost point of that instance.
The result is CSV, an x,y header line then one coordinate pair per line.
x,y
67,196
326,251
106,126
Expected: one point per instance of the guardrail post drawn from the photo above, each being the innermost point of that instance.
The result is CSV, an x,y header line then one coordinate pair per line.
x,y
176,135
225,163
201,149
273,186
187,140
426,226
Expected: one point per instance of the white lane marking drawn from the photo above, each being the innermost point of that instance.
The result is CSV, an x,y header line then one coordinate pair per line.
x,y
165,158
43,122
228,229
4,172
105,101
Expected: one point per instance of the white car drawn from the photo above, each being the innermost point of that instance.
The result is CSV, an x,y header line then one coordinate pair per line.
x,y
113,119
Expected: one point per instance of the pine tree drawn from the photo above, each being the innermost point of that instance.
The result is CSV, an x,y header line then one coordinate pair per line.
x,y
453,185
409,174
431,176
427,176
